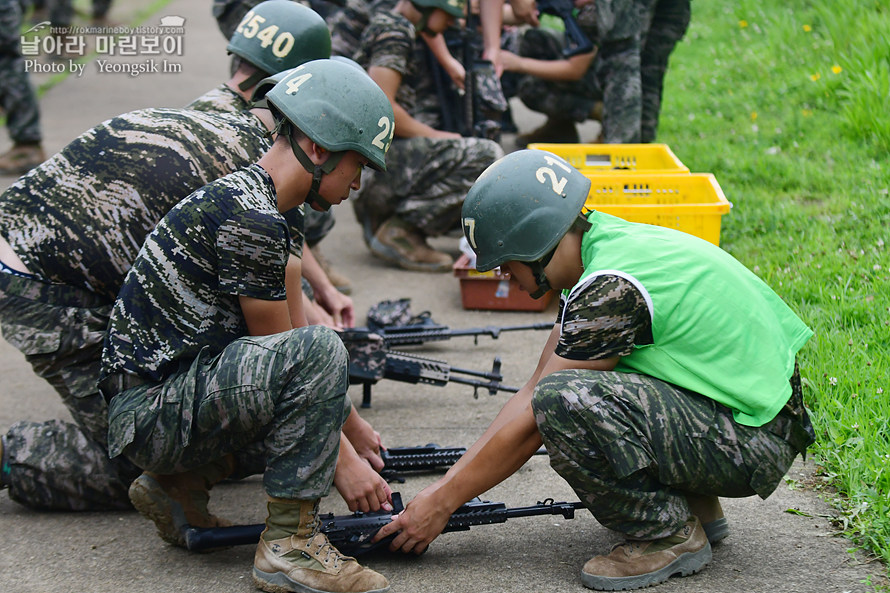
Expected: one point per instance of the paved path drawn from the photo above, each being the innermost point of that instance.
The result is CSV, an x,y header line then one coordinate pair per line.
x,y
769,549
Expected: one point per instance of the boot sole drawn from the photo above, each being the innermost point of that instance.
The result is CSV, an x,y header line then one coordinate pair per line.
x,y
278,582
685,565
153,503
392,256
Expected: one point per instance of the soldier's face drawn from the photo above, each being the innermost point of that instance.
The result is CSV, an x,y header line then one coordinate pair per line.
x,y
346,176
522,274
439,21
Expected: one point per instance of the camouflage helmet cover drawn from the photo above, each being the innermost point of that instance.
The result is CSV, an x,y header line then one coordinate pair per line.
x,y
337,106
521,206
277,35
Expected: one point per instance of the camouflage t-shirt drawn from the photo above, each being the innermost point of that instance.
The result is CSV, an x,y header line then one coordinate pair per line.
x,y
81,217
604,318
222,99
388,42
224,241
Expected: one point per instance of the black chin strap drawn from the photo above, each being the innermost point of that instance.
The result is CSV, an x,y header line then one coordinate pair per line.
x,y
313,197
252,80
537,267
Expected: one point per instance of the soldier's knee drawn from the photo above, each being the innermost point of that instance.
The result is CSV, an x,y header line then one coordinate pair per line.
x,y
551,395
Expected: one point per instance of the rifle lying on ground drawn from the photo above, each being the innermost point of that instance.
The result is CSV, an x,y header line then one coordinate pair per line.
x,y
429,331
576,41
352,534
420,459
370,361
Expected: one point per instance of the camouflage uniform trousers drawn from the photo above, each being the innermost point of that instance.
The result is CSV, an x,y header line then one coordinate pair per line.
x,y
637,38
61,12
630,445
287,390
574,99
54,464
426,180
17,97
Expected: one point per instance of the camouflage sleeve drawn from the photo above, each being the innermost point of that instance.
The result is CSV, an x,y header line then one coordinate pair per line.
x,y
388,47
605,318
252,251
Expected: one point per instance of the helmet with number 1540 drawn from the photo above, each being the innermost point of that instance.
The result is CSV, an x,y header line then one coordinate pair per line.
x,y
278,35
521,206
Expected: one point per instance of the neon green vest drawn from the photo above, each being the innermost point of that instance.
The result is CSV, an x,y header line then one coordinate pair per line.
x,y
717,328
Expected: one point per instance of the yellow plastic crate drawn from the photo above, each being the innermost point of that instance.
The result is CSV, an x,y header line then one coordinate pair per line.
x,y
617,158
692,203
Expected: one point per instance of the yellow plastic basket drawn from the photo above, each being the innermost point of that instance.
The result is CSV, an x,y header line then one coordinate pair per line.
x,y
692,203
617,158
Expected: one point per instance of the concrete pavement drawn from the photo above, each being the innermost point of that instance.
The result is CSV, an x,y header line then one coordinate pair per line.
x,y
769,549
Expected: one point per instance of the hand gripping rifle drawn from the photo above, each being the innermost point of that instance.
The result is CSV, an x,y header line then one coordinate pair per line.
x,y
576,41
370,361
352,534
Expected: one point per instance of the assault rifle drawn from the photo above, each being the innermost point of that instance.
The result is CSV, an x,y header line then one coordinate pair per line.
x,y
370,361
352,534
576,41
429,331
419,459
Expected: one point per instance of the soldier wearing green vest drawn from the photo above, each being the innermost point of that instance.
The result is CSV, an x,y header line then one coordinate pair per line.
x,y
669,379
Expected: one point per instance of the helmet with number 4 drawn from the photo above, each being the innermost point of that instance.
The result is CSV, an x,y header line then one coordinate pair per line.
x,y
277,35
521,206
338,106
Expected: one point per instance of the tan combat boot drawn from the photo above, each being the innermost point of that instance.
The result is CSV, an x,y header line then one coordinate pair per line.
x,y
399,243
294,556
20,159
177,500
636,564
556,130
710,513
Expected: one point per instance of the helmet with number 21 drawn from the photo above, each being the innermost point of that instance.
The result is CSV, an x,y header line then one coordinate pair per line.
x,y
521,206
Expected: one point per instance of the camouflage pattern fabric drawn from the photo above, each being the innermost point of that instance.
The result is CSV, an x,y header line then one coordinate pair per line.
x,y
622,441
286,390
389,42
17,97
228,13
81,216
636,40
36,451
390,312
427,179
574,99
222,99
89,209
57,465
61,12
224,241
367,354
348,24
605,319
317,225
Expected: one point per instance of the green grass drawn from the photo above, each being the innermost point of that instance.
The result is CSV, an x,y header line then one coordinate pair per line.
x,y
788,104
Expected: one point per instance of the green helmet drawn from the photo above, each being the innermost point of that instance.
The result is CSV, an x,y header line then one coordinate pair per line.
x,y
337,106
277,35
453,7
267,83
521,206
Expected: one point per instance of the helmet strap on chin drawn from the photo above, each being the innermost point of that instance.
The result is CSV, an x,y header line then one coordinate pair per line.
x,y
541,280
283,126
